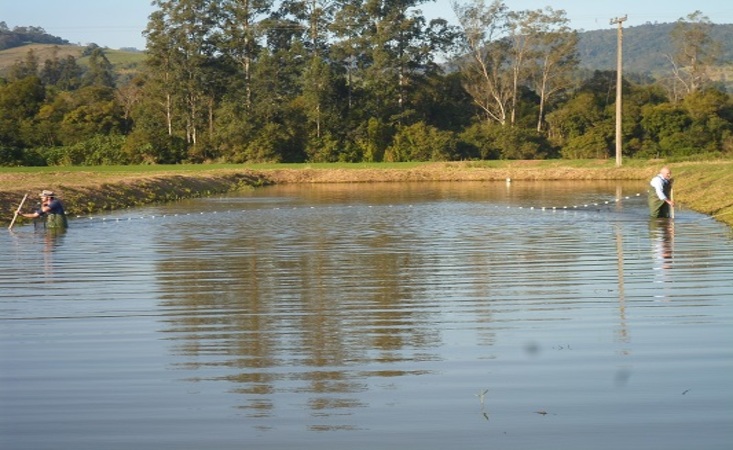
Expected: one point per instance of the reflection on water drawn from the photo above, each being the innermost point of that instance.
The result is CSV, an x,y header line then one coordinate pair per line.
x,y
372,316
662,231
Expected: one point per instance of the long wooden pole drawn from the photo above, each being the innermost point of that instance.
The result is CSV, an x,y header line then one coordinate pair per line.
x,y
671,207
17,211
619,85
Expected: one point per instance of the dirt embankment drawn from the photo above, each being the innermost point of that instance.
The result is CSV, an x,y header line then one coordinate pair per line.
x,y
92,193
707,188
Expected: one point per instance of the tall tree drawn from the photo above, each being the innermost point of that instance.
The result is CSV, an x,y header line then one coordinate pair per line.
x,y
521,36
243,23
486,64
387,48
180,48
27,67
346,49
64,73
396,40
695,53
555,60
100,72
313,18
161,64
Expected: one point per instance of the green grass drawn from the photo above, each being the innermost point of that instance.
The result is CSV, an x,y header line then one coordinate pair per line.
x,y
187,168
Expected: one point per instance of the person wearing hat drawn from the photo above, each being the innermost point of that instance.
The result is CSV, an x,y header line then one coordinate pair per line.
x,y
52,210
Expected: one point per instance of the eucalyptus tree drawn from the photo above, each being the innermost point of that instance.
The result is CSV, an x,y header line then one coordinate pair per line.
x,y
555,58
276,121
180,54
695,52
100,72
243,25
387,52
541,55
347,49
403,48
161,65
521,37
311,19
485,64
507,52
65,74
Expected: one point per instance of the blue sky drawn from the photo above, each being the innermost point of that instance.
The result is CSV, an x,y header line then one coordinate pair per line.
x,y
119,23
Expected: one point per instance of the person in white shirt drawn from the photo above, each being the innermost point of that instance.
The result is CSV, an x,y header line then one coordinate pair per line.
x,y
660,196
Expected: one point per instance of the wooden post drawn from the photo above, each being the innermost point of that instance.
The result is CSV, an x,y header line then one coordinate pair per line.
x,y
17,211
619,80
671,207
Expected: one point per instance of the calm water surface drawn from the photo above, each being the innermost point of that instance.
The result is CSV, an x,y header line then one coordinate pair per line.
x,y
426,316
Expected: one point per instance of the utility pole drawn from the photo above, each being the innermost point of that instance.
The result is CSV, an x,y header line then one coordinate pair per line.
x,y
619,78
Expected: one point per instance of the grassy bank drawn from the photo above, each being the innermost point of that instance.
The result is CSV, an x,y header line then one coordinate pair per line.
x,y
706,187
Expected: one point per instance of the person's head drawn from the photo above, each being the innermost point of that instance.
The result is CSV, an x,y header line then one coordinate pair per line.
x,y
47,196
665,172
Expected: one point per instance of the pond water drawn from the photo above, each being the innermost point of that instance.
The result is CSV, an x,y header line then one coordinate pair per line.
x,y
372,316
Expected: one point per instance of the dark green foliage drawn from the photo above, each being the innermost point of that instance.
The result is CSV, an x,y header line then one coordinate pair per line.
x,y
356,80
697,125
11,156
268,145
374,140
492,141
96,151
100,71
421,142
64,74
521,143
148,146
20,103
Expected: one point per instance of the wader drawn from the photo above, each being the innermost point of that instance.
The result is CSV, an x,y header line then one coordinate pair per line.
x,y
56,221
660,208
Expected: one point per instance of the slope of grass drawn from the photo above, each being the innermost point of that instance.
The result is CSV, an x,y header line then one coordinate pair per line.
x,y
121,60
9,57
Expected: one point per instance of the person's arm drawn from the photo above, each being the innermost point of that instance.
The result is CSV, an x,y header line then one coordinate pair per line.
x,y
670,200
44,209
659,188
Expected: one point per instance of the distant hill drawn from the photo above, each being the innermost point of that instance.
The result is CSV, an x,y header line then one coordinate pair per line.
x,y
644,48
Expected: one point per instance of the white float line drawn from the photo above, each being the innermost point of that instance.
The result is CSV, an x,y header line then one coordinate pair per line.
x,y
531,208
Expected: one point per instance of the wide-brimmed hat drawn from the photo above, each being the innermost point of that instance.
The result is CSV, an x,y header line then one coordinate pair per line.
x,y
47,193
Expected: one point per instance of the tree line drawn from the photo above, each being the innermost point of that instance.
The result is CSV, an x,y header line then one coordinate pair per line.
x,y
358,80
